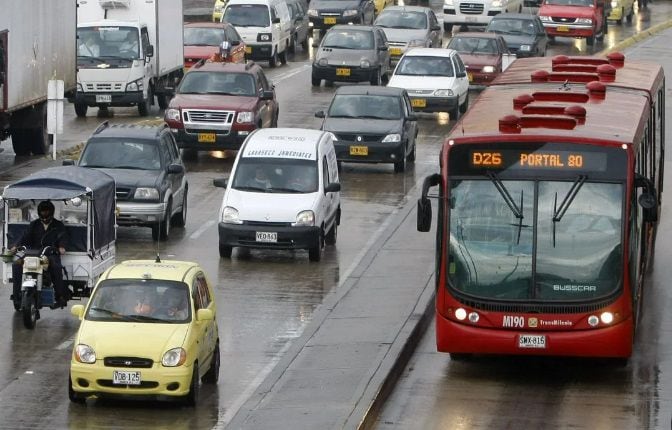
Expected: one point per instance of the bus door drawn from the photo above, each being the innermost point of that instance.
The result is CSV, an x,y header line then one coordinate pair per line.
x,y
3,70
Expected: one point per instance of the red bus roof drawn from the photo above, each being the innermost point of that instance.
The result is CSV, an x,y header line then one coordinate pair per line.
x,y
533,112
613,70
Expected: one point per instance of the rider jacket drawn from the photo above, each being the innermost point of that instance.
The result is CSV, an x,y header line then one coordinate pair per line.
x,y
37,237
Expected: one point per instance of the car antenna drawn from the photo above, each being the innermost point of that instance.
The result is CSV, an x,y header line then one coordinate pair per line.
x,y
158,239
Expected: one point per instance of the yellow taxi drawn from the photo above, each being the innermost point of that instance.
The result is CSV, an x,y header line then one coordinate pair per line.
x,y
149,330
382,4
621,9
217,10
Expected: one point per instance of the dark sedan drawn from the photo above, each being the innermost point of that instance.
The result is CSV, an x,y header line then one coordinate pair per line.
x,y
524,33
372,124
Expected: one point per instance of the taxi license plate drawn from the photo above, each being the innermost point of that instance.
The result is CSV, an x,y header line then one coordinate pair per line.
x,y
267,236
470,77
126,378
419,103
536,341
103,98
359,150
562,28
342,72
207,137
395,51
330,20
248,49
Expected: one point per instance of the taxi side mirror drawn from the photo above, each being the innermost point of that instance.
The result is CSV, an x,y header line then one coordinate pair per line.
x,y
78,311
204,315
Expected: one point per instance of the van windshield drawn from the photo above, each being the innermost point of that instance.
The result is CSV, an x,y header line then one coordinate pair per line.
x,y
247,15
275,175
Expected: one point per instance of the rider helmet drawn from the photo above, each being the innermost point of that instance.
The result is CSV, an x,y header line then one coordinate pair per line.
x,y
45,211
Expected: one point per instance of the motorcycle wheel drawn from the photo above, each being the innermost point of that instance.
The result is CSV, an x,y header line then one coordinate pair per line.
x,y
29,309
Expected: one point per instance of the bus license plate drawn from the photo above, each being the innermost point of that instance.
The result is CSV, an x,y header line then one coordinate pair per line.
x,y
126,378
342,72
330,20
419,103
207,137
267,236
248,49
537,341
359,150
103,98
562,28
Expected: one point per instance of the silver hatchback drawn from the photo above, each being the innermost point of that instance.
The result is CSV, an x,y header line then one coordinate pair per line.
x,y
352,53
408,27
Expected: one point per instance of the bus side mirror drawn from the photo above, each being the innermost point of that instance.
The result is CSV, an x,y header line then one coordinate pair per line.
x,y
424,221
647,200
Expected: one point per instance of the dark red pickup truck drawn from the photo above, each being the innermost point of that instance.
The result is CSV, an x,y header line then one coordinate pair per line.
x,y
575,18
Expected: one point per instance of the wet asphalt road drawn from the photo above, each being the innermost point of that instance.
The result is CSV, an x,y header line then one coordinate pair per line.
x,y
264,298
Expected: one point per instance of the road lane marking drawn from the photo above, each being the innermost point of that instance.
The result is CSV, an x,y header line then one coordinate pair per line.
x,y
291,73
201,229
66,344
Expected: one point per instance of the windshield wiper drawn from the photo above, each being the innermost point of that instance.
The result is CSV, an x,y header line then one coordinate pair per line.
x,y
128,167
559,212
515,209
248,188
144,318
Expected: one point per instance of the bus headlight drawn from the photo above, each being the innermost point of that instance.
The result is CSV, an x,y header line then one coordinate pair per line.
x,y
607,317
593,321
460,314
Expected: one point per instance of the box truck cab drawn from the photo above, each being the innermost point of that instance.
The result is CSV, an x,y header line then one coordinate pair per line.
x,y
283,193
128,53
265,26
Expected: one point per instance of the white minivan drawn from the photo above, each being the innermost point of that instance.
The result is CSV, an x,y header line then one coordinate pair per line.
x,y
265,26
283,193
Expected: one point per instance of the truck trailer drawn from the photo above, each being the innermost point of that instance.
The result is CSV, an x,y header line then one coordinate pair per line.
x,y
129,52
37,43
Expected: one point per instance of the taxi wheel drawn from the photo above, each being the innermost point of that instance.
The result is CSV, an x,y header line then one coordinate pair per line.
x,y
192,398
74,397
212,375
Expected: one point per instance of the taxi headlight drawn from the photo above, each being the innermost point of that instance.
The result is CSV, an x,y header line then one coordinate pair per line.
x,y
365,64
173,114
525,48
146,194
396,137
174,357
305,219
85,354
443,93
488,69
244,117
230,216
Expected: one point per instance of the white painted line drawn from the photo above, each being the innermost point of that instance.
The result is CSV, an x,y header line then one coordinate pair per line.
x,y
66,344
201,229
291,73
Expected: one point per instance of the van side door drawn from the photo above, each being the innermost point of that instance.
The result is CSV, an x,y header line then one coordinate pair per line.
x,y
267,108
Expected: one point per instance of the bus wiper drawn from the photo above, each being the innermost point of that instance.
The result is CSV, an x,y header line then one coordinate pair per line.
x,y
559,212
517,210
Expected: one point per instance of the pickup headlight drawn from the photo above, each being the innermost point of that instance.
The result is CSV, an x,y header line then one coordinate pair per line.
x,y
544,18
416,42
525,48
230,216
323,62
364,64
174,357
244,117
443,93
173,115
349,13
396,137
85,354
488,69
146,194
264,37
448,4
312,12
584,20
305,219
135,86
498,3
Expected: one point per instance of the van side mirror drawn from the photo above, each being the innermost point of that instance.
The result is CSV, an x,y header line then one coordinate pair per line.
x,y
276,20
175,168
220,182
436,28
461,74
332,187
319,114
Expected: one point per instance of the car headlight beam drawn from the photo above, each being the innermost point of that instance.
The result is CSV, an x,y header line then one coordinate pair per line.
x,y
305,219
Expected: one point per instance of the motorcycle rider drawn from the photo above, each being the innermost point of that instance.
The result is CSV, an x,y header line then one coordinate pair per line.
x,y
42,232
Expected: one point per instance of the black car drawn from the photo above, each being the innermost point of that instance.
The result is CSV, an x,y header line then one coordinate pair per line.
x,y
324,14
524,34
372,124
145,163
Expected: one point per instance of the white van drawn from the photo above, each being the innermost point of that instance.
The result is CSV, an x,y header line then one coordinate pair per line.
x,y
283,193
265,26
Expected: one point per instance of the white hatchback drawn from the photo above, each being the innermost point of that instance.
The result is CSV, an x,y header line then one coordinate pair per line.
x,y
435,79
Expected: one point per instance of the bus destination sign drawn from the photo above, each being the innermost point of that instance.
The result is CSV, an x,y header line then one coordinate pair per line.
x,y
537,160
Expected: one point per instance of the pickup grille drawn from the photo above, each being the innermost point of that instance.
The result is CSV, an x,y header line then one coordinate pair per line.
x,y
471,8
208,116
563,20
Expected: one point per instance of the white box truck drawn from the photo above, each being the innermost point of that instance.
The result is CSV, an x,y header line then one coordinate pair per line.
x,y
37,43
128,53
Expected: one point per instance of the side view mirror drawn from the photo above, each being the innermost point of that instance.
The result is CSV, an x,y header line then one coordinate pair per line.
x,y
276,20
78,311
68,162
436,28
424,217
175,168
461,74
220,182
267,95
224,48
382,48
412,117
648,200
204,315
150,51
235,42
319,114
332,187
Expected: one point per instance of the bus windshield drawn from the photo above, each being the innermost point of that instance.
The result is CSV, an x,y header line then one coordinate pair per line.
x,y
548,240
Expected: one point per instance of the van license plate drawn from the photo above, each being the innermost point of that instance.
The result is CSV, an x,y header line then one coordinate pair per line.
x,y
103,98
126,378
562,28
419,103
267,236
330,20
207,137
359,150
536,341
342,72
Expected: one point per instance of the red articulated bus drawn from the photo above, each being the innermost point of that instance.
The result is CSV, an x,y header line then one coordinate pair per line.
x,y
549,195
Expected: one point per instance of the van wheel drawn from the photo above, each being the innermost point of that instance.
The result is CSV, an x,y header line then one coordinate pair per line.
x,y
283,56
332,234
273,61
225,251
315,254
